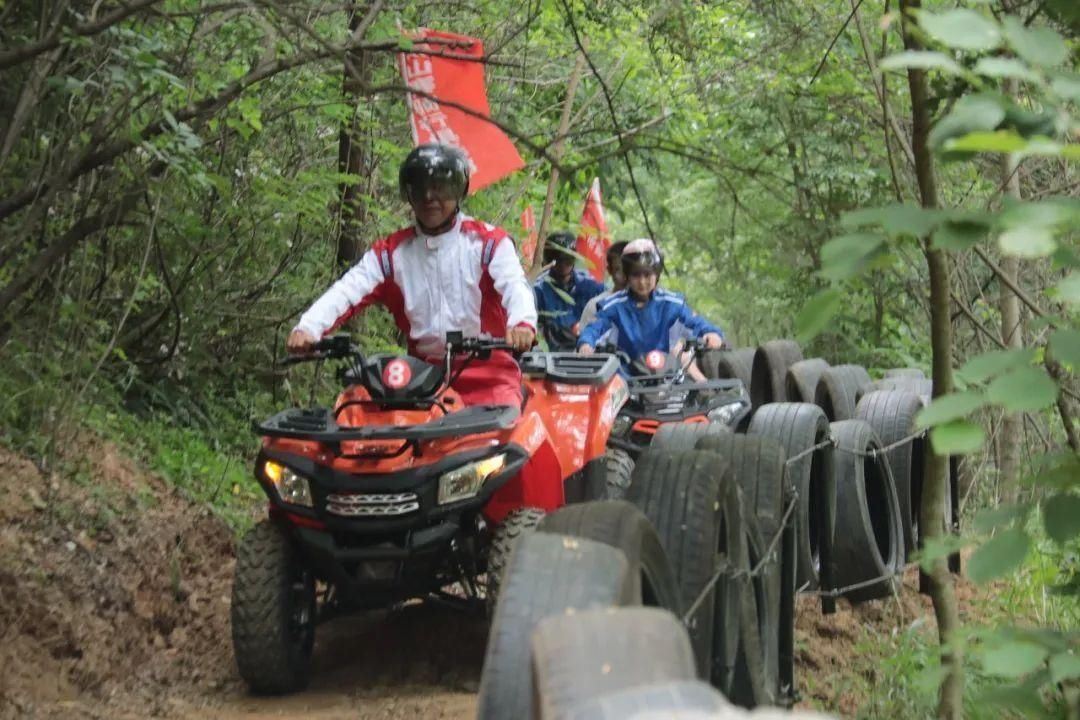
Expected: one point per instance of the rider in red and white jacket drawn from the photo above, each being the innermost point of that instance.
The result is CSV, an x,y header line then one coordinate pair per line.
x,y
446,273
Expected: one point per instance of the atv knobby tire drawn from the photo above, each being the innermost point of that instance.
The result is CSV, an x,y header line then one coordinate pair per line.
x,y
547,575
869,540
273,612
891,415
769,374
799,427
621,525
618,470
516,525
585,656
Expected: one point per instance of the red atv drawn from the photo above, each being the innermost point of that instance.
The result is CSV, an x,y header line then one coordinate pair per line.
x,y
401,492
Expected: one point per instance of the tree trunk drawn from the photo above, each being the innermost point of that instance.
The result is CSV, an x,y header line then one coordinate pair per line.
x,y
932,511
1012,424
353,157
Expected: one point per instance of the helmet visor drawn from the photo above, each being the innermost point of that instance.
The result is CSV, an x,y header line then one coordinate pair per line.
x,y
442,183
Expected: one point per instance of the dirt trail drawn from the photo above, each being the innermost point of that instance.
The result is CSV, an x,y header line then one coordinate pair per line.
x,y
114,599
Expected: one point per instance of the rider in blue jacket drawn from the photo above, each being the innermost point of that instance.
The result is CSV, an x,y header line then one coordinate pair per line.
x,y
562,292
643,317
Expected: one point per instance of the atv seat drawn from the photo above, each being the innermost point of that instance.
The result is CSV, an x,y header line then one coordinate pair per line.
x,y
570,368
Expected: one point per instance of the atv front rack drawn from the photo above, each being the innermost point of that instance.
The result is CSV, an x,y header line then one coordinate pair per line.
x,y
319,425
570,368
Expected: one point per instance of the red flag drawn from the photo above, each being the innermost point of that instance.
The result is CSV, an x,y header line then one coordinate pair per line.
x,y
528,222
594,241
491,154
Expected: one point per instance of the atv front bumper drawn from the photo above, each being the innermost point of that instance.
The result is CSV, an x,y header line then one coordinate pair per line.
x,y
386,536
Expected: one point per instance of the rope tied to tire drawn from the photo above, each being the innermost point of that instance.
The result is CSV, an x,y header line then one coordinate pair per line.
x,y
724,568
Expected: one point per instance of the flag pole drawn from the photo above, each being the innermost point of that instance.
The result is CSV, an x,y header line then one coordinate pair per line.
x,y
556,153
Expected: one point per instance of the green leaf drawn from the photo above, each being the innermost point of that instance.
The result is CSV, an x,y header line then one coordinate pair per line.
x,y
1065,347
1066,87
896,219
847,255
1000,67
950,407
921,60
1061,516
999,141
1014,659
1068,289
999,556
972,113
1038,45
963,29
957,437
817,312
1023,389
1064,666
1028,241
991,364
993,518
939,547
957,235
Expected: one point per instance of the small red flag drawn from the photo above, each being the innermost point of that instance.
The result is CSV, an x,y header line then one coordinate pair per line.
x,y
528,248
594,240
454,75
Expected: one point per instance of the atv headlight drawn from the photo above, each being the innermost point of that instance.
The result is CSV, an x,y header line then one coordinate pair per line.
x,y
290,487
621,426
725,413
466,481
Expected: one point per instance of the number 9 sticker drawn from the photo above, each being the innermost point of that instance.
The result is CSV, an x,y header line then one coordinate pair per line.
x,y
396,374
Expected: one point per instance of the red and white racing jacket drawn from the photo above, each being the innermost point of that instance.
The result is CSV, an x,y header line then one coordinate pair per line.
x,y
468,278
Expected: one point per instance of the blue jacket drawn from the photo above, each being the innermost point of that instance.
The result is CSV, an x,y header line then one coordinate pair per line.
x,y
557,316
663,320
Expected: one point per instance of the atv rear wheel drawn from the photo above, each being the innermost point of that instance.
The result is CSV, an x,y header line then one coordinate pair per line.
x,y
618,467
273,612
518,523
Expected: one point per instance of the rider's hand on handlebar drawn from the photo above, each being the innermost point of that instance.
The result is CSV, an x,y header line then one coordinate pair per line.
x,y
586,349
521,338
300,342
713,341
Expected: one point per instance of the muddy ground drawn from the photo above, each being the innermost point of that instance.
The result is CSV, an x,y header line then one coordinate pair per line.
x,y
114,603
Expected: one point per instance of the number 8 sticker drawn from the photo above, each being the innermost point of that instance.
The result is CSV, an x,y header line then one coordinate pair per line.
x,y
396,374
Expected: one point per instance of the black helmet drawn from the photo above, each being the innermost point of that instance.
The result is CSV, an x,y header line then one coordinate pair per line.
x,y
557,245
443,168
641,255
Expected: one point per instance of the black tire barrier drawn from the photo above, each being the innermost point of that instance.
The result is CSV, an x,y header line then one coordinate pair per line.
x,y
769,372
801,382
621,525
585,656
838,389
547,575
273,656
684,436
688,698
868,543
678,492
923,388
516,525
735,364
799,427
756,464
891,415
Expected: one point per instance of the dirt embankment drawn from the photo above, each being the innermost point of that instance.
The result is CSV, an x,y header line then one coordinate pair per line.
x,y
114,603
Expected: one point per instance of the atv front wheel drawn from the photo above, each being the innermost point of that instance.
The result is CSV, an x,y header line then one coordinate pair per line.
x,y
273,612
518,523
